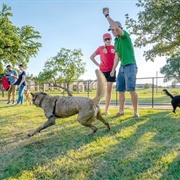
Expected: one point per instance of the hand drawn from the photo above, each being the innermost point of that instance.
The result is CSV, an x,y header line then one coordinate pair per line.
x,y
18,86
12,75
106,11
112,73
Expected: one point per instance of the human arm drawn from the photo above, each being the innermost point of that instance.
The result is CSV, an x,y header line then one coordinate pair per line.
x,y
112,23
14,75
23,79
116,62
92,57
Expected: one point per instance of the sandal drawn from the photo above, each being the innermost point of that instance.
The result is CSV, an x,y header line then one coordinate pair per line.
x,y
136,116
118,115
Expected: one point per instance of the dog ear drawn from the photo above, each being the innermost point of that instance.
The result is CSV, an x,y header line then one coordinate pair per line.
x,y
33,96
44,93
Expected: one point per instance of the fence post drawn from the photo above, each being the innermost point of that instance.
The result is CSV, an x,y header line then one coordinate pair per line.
x,y
88,88
152,93
116,99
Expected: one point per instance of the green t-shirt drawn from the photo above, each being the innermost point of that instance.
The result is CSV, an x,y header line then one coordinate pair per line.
x,y
124,48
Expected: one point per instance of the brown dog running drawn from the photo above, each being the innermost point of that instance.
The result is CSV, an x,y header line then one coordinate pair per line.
x,y
61,107
28,96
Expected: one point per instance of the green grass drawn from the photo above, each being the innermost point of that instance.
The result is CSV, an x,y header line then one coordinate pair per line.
x,y
144,148
144,95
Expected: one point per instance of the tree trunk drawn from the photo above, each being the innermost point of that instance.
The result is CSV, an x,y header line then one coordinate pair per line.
x,y
67,90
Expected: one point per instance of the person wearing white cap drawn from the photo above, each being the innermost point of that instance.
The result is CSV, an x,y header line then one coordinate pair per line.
x,y
107,54
126,79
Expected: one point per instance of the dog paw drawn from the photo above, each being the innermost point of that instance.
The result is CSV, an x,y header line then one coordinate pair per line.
x,y
108,129
29,134
90,133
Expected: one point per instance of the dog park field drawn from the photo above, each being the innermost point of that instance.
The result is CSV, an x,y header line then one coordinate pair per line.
x,y
143,148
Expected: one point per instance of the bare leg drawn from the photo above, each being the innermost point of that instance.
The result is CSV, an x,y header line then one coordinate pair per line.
x,y
121,102
49,122
134,99
108,96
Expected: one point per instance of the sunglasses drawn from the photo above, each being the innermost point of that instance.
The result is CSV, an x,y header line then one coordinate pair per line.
x,y
107,39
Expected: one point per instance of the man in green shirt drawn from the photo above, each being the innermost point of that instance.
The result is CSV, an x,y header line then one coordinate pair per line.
x,y
126,79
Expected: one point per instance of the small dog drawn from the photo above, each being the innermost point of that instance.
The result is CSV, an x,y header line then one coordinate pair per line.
x,y
28,96
175,100
66,106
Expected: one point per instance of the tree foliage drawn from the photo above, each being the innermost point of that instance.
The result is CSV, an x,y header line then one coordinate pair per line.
x,y
158,24
65,67
1,68
146,86
17,44
173,84
172,68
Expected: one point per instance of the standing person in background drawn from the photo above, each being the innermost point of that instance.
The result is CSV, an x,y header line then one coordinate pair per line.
x,y
126,79
12,76
107,54
21,82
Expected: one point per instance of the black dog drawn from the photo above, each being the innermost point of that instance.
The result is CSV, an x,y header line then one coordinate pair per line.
x,y
175,100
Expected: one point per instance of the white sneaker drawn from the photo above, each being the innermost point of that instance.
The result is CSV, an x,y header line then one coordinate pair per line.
x,y
106,113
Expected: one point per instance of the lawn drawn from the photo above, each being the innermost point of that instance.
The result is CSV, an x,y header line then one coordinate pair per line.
x,y
144,148
144,95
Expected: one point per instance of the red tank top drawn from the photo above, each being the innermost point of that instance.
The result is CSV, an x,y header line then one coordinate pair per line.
x,y
107,57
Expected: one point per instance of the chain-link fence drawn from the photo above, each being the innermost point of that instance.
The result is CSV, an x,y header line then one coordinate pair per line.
x,y
149,90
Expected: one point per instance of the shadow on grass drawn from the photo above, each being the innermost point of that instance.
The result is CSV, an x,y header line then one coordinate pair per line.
x,y
138,148
7,106
18,153
144,151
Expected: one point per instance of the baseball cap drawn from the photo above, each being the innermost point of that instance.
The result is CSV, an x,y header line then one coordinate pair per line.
x,y
107,35
118,23
8,66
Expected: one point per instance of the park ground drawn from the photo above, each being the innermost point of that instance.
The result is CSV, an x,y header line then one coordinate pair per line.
x,y
143,148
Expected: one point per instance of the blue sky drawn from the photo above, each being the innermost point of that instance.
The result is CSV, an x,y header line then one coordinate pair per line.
x,y
75,24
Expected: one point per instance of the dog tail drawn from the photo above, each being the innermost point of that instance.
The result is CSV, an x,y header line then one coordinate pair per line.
x,y
166,91
101,86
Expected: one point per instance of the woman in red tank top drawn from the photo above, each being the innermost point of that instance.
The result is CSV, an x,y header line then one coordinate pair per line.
x,y
107,54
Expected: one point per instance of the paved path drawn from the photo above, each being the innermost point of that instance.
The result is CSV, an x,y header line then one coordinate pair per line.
x,y
143,105
149,105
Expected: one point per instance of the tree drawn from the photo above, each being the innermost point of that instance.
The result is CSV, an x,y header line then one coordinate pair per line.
x,y
1,68
146,86
17,44
172,68
173,85
158,24
65,67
